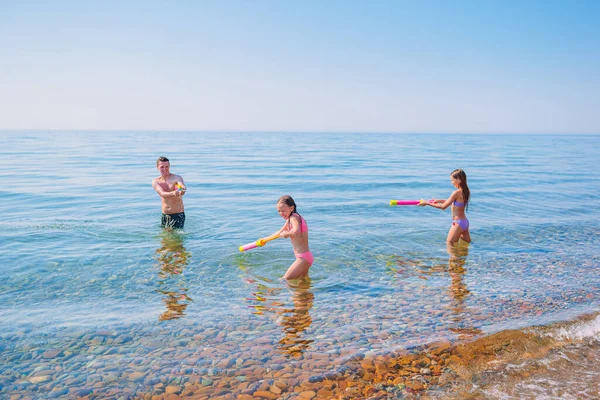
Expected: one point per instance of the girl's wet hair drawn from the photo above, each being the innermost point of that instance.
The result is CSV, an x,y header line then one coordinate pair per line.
x,y
462,177
287,200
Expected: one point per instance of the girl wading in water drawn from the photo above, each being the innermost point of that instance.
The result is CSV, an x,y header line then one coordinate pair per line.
x,y
296,229
459,200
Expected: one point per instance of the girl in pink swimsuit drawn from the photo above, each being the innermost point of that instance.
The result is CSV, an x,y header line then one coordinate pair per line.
x,y
296,229
459,199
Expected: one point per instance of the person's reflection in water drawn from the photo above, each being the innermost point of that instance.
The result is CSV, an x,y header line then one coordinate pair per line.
x,y
297,319
459,292
172,259
268,300
456,267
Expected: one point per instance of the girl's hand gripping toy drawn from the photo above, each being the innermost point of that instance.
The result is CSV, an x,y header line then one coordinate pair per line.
x,y
409,202
258,243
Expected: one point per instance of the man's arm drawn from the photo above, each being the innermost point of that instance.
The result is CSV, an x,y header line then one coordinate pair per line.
x,y
161,192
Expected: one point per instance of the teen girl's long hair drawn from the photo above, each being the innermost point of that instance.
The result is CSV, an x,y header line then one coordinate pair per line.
x,y
462,176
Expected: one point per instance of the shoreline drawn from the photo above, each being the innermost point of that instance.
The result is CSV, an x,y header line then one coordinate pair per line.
x,y
439,370
110,364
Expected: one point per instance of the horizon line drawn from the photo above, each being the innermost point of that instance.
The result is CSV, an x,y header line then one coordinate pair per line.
x,y
296,131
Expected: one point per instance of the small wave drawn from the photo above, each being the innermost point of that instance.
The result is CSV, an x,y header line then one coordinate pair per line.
x,y
578,331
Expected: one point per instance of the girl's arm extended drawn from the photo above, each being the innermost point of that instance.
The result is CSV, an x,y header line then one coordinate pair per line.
x,y
442,204
276,234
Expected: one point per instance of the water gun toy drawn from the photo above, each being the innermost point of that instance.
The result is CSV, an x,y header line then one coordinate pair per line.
x,y
179,186
258,243
409,202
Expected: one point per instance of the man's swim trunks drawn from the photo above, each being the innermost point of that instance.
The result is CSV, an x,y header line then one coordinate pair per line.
x,y
175,221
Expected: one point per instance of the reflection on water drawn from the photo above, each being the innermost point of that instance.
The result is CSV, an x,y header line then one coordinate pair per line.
x,y
461,317
456,268
297,319
459,292
172,258
291,314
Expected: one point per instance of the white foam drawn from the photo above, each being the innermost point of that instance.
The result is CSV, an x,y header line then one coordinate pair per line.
x,y
579,331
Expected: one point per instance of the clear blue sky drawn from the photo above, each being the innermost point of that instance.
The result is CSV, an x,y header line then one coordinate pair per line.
x,y
298,65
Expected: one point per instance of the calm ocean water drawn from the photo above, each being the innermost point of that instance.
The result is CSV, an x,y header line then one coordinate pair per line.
x,y
91,284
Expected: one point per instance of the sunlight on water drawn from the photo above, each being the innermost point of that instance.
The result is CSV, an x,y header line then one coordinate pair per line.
x,y
90,278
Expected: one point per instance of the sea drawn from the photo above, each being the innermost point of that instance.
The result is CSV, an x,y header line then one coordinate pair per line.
x,y
97,301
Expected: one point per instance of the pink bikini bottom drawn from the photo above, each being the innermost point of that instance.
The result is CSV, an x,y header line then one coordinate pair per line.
x,y
307,256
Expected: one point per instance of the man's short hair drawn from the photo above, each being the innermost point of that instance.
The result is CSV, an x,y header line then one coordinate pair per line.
x,y
162,159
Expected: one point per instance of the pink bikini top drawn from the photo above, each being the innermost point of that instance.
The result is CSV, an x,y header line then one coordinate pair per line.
x,y
303,225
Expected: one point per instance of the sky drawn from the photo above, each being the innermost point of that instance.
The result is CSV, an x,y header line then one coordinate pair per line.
x,y
455,66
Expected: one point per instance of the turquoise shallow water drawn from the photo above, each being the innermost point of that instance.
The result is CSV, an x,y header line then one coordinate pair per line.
x,y
82,251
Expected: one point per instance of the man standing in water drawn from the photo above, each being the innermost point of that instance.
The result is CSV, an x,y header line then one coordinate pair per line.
x,y
170,188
